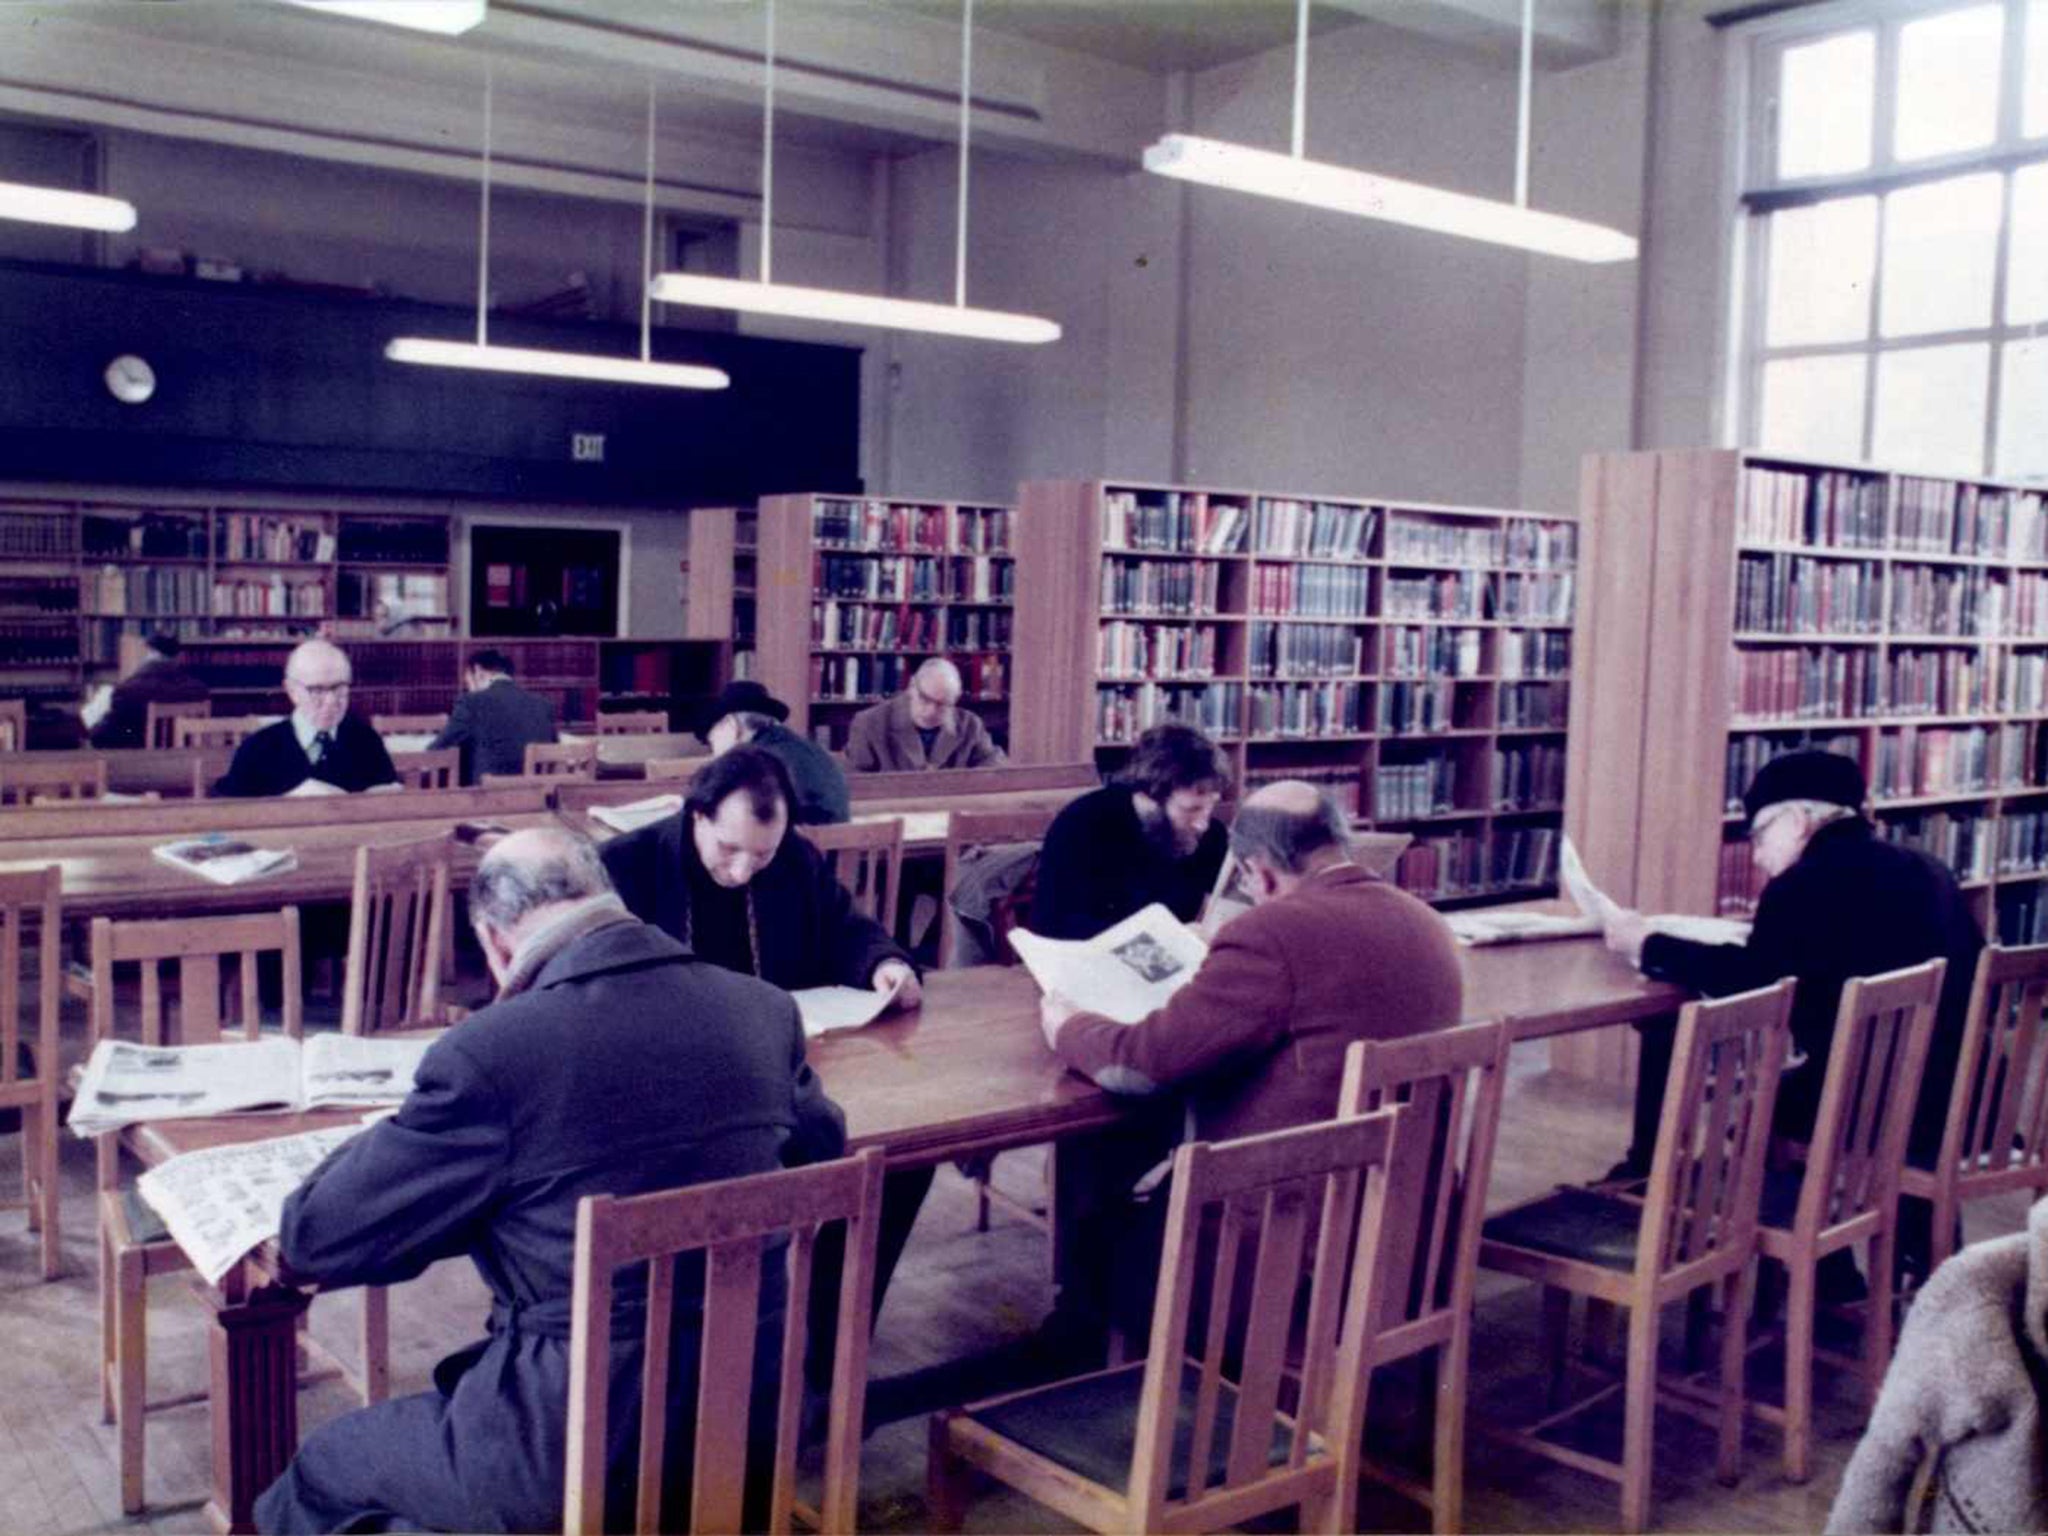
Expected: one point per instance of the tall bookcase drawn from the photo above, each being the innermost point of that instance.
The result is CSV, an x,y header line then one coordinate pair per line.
x,y
718,580
853,592
1739,605
1415,658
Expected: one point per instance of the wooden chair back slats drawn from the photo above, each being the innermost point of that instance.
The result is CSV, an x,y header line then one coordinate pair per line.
x,y
967,830
208,769
429,770
867,856
160,721
13,725
1706,1175
30,925
731,1224
633,722
672,768
408,725
1868,1096
1996,1136
215,732
561,759
399,936
26,781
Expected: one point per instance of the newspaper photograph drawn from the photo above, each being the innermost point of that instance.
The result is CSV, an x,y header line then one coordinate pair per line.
x,y
1122,973
221,1202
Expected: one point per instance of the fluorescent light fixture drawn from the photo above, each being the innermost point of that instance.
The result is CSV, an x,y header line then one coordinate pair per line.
x,y
448,17
559,365
1370,195
851,308
74,210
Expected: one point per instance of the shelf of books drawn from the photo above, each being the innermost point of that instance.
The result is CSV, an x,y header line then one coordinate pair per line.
x,y
1740,605
718,580
1415,658
853,593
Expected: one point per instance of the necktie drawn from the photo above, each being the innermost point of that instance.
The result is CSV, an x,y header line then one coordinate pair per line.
x,y
321,743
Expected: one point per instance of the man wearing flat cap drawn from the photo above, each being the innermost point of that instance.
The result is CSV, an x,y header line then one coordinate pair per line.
x,y
1839,902
744,711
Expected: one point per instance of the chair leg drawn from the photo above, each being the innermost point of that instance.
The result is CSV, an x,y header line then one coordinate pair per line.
x,y
945,1478
43,1204
108,1323
1447,1493
1735,1298
1877,1325
1799,1302
376,1344
1557,1321
1942,1242
1639,1417
131,1371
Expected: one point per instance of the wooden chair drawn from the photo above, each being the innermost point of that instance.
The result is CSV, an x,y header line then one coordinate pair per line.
x,y
429,770
13,725
409,725
133,1243
1996,1136
209,768
868,858
30,926
633,722
160,721
1453,1082
731,1224
1694,1228
27,779
671,768
561,759
1849,1192
206,733
968,830
1203,1412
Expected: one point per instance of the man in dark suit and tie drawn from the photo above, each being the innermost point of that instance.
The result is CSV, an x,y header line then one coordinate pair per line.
x,y
319,748
496,720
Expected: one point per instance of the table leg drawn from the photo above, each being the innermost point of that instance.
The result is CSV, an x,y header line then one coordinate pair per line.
x,y
253,1345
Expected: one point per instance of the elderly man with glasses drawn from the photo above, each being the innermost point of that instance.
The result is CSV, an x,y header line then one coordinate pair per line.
x,y
319,748
922,727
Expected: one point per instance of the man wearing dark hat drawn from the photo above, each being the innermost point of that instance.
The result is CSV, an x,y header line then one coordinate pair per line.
x,y
746,712
1839,902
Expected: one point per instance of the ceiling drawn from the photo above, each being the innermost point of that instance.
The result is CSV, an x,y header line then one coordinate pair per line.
x,y
1155,35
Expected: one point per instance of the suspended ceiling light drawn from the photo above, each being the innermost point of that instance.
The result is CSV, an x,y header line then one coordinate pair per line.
x,y
1294,178
768,297
480,354
449,17
73,210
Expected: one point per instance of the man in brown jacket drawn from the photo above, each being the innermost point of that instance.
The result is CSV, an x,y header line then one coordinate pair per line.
x,y
1255,1042
922,727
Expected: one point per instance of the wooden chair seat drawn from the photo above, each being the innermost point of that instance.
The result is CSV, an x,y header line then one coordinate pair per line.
x,y
1583,1225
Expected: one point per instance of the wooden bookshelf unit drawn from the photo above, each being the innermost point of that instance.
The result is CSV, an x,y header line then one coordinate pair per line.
x,y
853,592
1738,605
1414,658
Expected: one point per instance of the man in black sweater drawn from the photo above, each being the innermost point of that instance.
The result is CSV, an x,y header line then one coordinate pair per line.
x,y
495,721
319,748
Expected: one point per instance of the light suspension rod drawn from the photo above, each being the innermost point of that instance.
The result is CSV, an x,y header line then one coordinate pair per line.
x,y
72,210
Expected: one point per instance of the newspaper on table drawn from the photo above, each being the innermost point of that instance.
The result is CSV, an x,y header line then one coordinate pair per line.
x,y
1488,927
1603,909
225,860
824,1009
1122,973
220,1202
635,814
125,1083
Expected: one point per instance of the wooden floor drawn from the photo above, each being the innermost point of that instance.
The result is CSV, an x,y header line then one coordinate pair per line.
x,y
958,1291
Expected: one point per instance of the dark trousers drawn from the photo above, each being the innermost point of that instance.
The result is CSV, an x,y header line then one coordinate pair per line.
x,y
903,1192
1107,1249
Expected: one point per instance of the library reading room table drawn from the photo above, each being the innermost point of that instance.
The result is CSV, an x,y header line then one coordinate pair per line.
x,y
966,1072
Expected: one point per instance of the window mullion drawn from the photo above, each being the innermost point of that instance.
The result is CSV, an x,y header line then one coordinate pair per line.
x,y
1875,336
2001,266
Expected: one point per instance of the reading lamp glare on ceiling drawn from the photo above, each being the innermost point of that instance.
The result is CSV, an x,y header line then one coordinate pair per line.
x,y
72,210
450,18
481,355
1295,178
768,297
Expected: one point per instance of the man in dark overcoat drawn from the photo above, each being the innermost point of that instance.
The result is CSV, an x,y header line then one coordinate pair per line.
x,y
612,1062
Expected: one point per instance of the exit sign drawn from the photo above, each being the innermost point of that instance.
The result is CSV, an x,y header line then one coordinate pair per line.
x,y
586,447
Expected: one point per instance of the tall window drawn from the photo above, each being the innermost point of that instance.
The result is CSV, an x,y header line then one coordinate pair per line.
x,y
1896,233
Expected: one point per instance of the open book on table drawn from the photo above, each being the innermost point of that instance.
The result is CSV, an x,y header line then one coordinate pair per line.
x,y
125,1082
1123,973
225,860
220,1202
635,814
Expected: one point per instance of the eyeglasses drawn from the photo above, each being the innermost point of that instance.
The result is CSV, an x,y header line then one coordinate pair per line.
x,y
320,690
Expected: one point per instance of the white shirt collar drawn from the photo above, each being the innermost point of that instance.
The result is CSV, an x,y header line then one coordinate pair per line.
x,y
305,730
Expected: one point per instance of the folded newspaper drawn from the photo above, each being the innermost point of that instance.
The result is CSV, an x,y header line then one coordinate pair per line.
x,y
225,860
1603,909
125,1083
635,814
220,1202
1122,973
824,1009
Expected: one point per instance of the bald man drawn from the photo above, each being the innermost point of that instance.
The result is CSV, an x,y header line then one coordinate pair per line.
x,y
1255,1042
319,748
922,727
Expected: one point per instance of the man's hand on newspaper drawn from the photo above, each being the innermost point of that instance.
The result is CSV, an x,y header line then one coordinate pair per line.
x,y
1054,1011
896,976
1625,932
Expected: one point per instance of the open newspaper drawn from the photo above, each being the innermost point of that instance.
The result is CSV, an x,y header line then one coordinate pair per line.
x,y
125,1083
1122,973
635,814
1602,908
220,1202
225,860
824,1009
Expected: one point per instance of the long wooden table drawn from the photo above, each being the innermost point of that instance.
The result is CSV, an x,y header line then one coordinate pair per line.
x,y
967,1072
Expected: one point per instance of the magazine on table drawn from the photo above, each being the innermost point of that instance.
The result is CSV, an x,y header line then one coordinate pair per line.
x,y
225,860
635,814
1603,909
125,1082
220,1202
1122,973
824,1009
